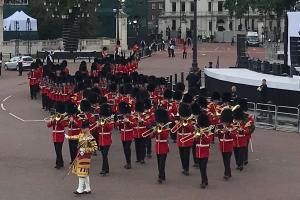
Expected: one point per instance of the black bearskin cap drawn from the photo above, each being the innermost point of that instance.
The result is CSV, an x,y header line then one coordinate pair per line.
x,y
168,94
151,87
142,95
127,79
162,81
184,110
105,110
202,102
96,90
147,104
71,109
85,106
139,107
177,95
238,113
226,97
187,98
152,80
196,110
203,120
113,87
161,116
135,92
102,100
124,108
180,86
226,116
193,91
215,96
243,104
93,98
86,93
85,124
128,88
60,107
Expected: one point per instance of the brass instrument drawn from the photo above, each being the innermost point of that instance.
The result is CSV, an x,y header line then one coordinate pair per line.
x,y
58,117
158,128
103,121
199,132
81,116
182,123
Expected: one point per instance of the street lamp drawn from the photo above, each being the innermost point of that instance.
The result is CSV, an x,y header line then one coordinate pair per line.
x,y
135,23
28,29
195,67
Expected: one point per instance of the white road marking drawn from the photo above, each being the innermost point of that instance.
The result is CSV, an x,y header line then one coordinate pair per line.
x,y
217,48
6,98
15,116
35,120
203,54
2,107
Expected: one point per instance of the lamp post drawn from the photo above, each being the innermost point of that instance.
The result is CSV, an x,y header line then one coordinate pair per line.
x,y
195,67
17,43
28,29
135,23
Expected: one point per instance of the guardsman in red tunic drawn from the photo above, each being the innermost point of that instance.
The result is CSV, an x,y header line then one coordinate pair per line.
x,y
33,83
58,124
174,111
126,131
105,128
184,129
73,129
225,135
139,128
214,109
149,119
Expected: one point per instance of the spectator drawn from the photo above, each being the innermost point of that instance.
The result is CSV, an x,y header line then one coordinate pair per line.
x,y
20,67
263,92
234,95
184,53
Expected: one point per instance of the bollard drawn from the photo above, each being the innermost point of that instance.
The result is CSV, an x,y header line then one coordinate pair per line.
x,y
175,77
182,77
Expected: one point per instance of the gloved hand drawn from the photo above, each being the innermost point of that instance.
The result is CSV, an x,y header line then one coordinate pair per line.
x,y
66,136
81,151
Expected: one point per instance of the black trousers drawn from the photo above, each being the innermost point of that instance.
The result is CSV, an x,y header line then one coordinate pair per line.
x,y
127,151
104,151
185,157
140,148
44,101
73,149
148,143
33,91
58,150
161,163
194,153
226,161
246,152
239,155
203,169
184,55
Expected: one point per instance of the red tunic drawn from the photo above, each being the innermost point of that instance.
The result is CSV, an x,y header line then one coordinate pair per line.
x,y
139,127
58,130
104,137
126,130
161,142
74,129
225,139
185,132
202,146
240,136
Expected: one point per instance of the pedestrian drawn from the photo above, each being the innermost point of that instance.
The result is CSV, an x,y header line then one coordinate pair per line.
x,y
234,96
169,49
172,50
20,67
184,53
263,91
81,166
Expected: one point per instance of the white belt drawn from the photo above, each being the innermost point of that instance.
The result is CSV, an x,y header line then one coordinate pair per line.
x,y
74,129
184,133
126,130
202,145
226,140
107,133
140,127
161,140
62,131
241,135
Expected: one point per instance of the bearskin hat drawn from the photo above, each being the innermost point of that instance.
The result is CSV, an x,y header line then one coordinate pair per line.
x,y
142,95
184,110
161,116
96,90
203,120
243,104
177,96
152,80
105,110
238,113
147,104
215,96
168,94
162,81
71,109
151,87
126,79
202,101
180,86
93,98
85,124
128,88
124,108
121,90
226,116
112,87
134,77
139,107
60,107
135,92
196,110
226,97
102,100
141,79
86,93
88,83
85,106
187,98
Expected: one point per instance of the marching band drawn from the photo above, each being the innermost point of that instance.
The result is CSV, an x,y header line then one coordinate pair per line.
x,y
88,108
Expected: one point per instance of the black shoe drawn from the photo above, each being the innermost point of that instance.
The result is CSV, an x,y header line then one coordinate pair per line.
x,y
127,166
160,181
226,177
241,168
142,162
203,186
246,163
186,173
103,173
58,166
137,161
196,165
78,193
87,192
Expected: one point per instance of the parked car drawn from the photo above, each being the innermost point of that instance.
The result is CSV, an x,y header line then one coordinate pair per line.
x,y
253,39
12,64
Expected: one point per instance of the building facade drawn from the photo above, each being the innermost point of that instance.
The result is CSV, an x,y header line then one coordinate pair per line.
x,y
155,9
213,20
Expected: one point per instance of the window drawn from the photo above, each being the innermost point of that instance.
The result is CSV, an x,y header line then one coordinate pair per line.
x,y
209,7
210,26
153,17
220,6
183,6
173,24
153,6
160,6
192,7
174,7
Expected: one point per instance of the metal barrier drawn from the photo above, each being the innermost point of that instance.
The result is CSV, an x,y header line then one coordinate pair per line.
x,y
287,118
265,115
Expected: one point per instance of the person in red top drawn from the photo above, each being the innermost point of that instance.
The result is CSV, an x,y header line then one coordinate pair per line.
x,y
150,118
105,128
202,146
224,133
126,130
58,124
65,69
184,53
33,82
184,129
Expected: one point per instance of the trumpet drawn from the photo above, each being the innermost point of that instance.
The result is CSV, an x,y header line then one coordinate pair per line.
x,y
199,132
103,121
182,123
158,128
58,116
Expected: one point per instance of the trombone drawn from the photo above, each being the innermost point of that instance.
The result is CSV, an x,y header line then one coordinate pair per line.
x,y
58,117
199,132
158,128
103,121
182,123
